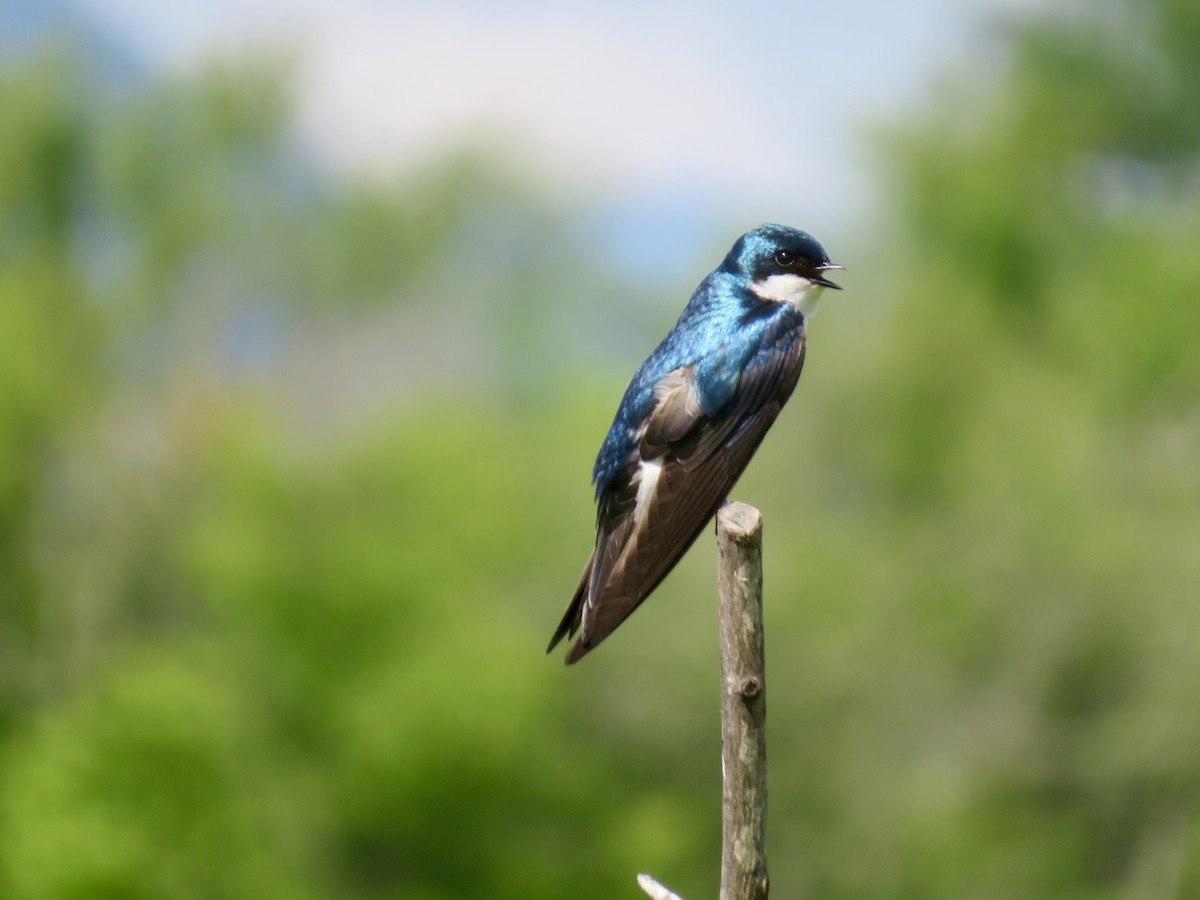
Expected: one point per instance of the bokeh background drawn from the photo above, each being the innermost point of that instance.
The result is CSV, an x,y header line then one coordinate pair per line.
x,y
313,315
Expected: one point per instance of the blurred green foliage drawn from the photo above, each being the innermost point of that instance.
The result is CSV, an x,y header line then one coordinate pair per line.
x,y
264,633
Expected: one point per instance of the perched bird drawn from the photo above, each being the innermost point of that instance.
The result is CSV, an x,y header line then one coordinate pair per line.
x,y
691,418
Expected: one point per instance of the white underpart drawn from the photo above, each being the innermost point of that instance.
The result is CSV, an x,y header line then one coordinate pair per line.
x,y
797,290
647,476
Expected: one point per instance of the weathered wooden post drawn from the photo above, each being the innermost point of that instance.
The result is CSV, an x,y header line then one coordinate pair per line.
x,y
743,710
743,705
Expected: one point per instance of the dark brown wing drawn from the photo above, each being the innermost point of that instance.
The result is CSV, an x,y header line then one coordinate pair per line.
x,y
646,525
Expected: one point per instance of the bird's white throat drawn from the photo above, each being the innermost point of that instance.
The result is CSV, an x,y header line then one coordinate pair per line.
x,y
791,288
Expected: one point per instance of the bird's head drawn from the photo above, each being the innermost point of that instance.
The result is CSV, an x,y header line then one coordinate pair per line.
x,y
783,265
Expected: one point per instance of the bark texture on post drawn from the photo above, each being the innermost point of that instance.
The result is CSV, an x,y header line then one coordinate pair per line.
x,y
743,705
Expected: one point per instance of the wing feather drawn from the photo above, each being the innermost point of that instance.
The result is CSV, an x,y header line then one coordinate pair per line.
x,y
700,457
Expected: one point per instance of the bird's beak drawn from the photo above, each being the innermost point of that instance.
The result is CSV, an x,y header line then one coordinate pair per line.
x,y
819,278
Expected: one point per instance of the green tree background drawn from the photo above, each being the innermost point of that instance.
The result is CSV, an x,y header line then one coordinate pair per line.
x,y
271,626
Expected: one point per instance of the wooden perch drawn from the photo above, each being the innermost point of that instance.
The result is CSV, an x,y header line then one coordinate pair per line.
x,y
743,710
743,705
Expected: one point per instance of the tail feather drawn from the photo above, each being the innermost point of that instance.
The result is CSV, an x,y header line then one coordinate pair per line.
x,y
574,614
579,649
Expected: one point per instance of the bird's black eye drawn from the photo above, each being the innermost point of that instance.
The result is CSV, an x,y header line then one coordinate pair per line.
x,y
785,258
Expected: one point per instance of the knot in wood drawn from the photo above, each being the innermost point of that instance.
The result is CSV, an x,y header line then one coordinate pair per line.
x,y
751,688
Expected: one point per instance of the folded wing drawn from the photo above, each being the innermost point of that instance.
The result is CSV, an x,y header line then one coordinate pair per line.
x,y
684,468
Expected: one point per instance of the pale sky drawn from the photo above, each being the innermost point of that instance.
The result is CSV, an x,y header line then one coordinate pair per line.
x,y
673,126
754,108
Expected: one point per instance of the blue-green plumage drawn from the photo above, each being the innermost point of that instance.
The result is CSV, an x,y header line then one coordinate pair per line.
x,y
720,340
691,418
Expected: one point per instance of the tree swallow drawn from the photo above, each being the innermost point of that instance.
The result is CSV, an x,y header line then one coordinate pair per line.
x,y
691,418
